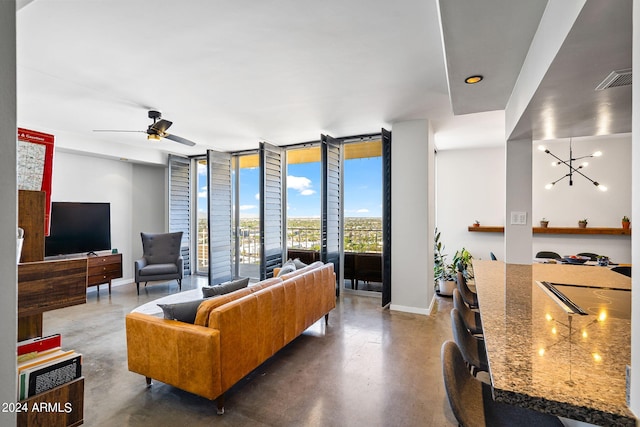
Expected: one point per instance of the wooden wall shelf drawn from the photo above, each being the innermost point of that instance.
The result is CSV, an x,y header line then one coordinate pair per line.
x,y
560,230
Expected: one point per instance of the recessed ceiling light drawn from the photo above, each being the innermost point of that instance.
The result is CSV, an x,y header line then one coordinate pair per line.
x,y
473,80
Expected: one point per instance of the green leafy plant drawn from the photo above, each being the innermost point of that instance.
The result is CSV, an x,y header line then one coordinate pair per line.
x,y
625,219
441,270
462,262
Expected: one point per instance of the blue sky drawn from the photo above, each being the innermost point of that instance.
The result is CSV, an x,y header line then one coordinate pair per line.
x,y
362,189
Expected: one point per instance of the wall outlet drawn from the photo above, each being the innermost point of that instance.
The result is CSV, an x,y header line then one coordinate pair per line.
x,y
518,218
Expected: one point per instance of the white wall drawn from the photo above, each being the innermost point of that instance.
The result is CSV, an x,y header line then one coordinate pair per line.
x,y
564,205
149,203
8,209
411,258
136,194
635,180
471,186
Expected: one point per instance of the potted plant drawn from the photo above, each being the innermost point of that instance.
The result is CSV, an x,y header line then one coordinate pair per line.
x,y
582,223
462,262
544,223
443,273
626,223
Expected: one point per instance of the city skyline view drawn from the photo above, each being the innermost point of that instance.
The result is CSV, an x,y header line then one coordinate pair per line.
x,y
362,189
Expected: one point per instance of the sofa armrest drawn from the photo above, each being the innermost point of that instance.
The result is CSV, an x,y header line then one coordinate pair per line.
x,y
180,354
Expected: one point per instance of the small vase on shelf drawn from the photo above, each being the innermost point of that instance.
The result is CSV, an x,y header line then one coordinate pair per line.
x,y
582,223
544,223
626,223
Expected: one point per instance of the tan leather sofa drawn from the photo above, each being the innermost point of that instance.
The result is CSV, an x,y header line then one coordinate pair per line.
x,y
233,334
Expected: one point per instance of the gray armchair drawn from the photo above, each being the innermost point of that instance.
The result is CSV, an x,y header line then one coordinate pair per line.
x,y
161,258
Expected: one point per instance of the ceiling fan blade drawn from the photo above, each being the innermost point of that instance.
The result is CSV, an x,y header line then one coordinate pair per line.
x,y
180,140
161,126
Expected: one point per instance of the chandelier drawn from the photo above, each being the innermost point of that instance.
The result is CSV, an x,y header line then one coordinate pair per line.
x,y
572,169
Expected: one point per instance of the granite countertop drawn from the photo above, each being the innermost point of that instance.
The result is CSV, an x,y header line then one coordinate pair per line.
x,y
535,362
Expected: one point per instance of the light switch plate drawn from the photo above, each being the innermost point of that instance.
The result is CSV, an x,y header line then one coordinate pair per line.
x,y
518,218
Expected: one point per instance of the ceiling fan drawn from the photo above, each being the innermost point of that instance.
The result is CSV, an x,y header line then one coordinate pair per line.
x,y
157,130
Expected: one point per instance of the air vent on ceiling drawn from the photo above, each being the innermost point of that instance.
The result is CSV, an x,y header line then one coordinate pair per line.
x,y
616,79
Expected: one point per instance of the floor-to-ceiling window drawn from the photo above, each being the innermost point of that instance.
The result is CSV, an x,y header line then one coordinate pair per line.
x,y
246,218
303,202
202,228
362,196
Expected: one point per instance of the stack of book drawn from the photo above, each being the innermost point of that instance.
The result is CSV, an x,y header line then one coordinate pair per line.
x,y
43,365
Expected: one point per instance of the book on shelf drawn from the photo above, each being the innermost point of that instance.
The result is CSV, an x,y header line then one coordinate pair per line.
x,y
35,345
48,373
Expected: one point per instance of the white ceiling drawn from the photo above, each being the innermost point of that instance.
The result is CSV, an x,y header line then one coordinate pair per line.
x,y
232,74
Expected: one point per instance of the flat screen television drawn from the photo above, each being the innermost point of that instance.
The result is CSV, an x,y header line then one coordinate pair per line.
x,y
78,228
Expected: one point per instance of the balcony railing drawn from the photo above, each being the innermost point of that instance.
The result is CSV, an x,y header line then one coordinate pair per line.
x,y
355,240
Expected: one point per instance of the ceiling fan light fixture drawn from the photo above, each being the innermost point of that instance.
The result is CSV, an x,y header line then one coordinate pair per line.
x,y
153,137
471,80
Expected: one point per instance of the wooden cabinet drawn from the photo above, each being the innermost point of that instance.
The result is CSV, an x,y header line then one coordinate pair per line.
x,y
103,269
62,406
43,286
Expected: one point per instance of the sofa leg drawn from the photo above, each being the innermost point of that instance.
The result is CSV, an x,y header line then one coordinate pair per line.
x,y
326,319
148,381
220,404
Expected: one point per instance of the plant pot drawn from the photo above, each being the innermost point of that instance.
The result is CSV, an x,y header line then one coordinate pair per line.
x,y
446,287
582,224
626,224
544,224
476,225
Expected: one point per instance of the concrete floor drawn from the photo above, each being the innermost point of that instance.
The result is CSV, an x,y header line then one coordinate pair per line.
x,y
369,367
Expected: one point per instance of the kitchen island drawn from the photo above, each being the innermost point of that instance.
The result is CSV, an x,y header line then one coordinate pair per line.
x,y
544,358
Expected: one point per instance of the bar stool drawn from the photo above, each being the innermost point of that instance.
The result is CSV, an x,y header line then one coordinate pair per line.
x,y
471,400
470,297
471,318
472,348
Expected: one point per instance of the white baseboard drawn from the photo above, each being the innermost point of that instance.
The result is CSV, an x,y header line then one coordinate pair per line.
x,y
407,309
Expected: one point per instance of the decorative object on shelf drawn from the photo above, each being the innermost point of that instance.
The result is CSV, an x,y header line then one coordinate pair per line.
x,y
544,223
443,273
603,260
582,223
476,223
626,223
572,169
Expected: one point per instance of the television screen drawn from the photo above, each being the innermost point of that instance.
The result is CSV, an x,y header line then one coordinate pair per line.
x,y
78,228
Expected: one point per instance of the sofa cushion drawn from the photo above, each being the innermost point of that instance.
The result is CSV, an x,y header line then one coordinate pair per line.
x,y
298,263
181,311
154,269
224,288
309,267
202,315
287,267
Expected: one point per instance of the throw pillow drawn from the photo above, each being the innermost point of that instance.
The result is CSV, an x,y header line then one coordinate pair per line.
x,y
299,264
182,311
287,267
224,288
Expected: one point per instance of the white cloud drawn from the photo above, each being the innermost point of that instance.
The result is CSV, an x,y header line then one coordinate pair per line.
x,y
362,211
247,207
301,184
257,196
202,194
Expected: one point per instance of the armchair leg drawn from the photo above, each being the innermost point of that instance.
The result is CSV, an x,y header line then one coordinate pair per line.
x,y
138,287
179,284
220,404
326,319
148,381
